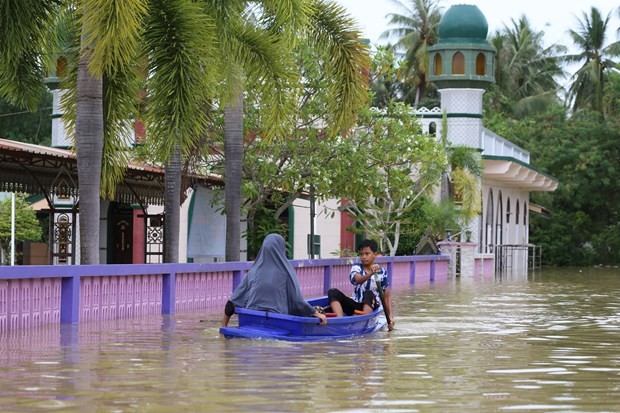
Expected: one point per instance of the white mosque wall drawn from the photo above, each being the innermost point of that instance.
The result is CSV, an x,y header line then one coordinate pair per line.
x,y
495,145
325,225
505,221
462,100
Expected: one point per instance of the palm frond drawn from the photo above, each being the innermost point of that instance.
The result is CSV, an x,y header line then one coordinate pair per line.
x,y
120,102
467,186
113,30
346,60
24,30
286,17
179,41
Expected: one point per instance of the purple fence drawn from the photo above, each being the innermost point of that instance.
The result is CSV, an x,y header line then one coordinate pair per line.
x,y
38,295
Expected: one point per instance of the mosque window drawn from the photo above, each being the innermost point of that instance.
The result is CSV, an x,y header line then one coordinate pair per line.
x,y
517,217
437,63
481,63
458,64
432,128
508,211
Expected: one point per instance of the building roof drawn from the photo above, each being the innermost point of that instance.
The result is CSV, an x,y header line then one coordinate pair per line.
x,y
36,169
511,172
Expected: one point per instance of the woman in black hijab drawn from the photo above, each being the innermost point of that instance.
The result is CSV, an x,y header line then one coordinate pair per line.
x,y
271,285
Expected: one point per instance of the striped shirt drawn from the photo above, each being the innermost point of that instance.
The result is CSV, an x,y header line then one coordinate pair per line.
x,y
369,284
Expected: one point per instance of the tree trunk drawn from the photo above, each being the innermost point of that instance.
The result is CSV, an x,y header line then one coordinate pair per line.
x,y
233,151
172,206
89,147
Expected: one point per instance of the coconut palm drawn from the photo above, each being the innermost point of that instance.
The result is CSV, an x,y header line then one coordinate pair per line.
x,y
596,58
525,70
416,29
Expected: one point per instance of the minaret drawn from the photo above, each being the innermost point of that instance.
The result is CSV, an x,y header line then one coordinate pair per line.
x,y
461,65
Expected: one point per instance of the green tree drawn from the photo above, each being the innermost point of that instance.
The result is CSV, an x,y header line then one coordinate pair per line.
x,y
526,72
24,126
583,153
254,40
25,32
394,164
416,29
596,57
384,80
27,226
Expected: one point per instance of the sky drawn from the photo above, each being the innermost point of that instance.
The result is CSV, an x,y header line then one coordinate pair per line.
x,y
554,17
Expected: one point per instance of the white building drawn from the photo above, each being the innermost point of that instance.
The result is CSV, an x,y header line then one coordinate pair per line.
x,y
461,65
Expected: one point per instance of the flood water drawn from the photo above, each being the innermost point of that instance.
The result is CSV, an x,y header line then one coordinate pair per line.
x,y
547,342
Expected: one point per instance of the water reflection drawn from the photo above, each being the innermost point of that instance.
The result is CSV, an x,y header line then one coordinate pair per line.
x,y
548,342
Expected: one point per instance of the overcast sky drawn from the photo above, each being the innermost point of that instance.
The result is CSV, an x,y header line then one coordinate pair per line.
x,y
554,17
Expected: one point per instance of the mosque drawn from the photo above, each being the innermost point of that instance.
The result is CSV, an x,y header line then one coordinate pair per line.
x,y
461,65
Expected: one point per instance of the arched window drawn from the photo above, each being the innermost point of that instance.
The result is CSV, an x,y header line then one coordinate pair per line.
x,y
458,64
508,211
499,236
437,62
432,128
517,216
488,225
481,64
525,213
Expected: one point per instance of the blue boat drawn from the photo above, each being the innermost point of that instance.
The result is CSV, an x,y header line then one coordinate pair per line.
x,y
269,325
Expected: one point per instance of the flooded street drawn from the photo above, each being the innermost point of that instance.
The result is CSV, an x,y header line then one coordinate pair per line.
x,y
549,342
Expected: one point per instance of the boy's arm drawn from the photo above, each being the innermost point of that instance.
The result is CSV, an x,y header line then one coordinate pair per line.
x,y
357,277
361,278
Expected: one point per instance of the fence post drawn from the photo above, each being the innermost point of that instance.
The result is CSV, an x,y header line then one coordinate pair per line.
x,y
327,278
236,279
70,300
390,265
168,293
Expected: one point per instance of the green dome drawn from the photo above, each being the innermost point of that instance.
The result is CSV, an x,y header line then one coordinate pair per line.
x,y
463,22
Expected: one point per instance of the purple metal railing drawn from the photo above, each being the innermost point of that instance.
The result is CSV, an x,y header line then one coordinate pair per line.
x,y
38,295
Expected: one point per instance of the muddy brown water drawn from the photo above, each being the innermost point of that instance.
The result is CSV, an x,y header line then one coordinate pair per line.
x,y
548,341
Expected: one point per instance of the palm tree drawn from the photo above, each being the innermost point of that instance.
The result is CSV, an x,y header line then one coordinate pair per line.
x,y
262,40
596,58
253,49
526,71
177,51
416,30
